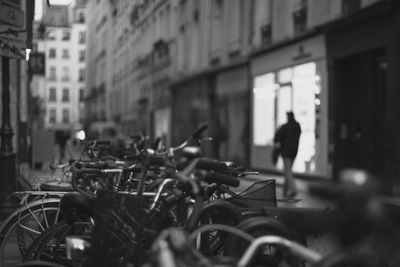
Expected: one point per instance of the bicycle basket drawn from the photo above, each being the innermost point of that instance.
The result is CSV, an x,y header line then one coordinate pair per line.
x,y
258,195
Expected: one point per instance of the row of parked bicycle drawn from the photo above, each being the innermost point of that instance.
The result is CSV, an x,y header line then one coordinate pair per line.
x,y
175,207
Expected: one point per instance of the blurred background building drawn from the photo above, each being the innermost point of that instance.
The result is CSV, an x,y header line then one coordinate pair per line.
x,y
15,42
61,36
163,67
58,80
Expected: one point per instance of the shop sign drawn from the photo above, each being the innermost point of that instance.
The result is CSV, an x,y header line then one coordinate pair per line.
x,y
12,31
301,54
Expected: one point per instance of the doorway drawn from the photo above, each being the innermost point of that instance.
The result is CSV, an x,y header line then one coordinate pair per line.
x,y
358,110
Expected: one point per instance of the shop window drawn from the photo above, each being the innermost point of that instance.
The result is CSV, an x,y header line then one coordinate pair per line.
x,y
52,115
52,94
296,89
65,95
285,76
65,116
264,104
52,53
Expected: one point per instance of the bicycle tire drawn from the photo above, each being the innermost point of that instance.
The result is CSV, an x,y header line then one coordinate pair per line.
x,y
258,226
214,212
50,245
23,226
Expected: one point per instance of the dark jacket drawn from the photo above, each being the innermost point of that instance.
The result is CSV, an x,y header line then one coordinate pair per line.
x,y
288,136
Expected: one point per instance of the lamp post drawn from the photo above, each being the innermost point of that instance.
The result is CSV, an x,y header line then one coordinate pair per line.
x,y
7,156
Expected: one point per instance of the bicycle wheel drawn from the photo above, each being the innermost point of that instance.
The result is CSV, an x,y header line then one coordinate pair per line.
x,y
215,212
268,255
23,226
51,245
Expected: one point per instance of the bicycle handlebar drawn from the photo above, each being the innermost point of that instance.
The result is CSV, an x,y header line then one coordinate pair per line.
x,y
197,133
222,179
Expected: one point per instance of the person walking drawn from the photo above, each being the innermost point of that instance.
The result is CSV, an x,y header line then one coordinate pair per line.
x,y
287,140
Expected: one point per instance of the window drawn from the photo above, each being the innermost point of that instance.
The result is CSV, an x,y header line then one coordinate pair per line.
x,y
81,95
299,16
66,35
65,115
52,75
51,35
52,53
65,95
65,53
296,88
65,74
82,56
82,37
266,34
262,22
81,75
52,94
216,28
81,17
52,115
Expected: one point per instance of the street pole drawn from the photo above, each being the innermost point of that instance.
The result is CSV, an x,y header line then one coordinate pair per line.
x,y
7,156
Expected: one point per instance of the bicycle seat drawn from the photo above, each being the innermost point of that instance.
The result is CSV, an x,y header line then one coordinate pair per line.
x,y
56,186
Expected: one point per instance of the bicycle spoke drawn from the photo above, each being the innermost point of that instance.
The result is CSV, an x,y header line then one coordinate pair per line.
x,y
45,216
36,219
30,229
57,214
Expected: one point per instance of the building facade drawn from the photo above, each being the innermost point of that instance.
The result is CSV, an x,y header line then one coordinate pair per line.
x,y
15,43
61,36
240,65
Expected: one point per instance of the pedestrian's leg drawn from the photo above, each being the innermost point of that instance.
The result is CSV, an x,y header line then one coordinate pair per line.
x,y
289,179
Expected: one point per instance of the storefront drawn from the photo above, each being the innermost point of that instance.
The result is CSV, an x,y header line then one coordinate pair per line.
x,y
363,53
190,106
292,78
232,119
